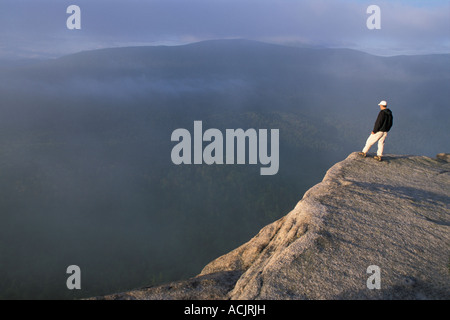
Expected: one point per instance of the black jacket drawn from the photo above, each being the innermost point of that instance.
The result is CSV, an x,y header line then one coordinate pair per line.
x,y
384,121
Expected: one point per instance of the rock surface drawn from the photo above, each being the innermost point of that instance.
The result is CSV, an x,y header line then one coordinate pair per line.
x,y
393,214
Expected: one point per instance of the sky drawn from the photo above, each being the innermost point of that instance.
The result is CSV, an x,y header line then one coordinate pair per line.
x,y
37,28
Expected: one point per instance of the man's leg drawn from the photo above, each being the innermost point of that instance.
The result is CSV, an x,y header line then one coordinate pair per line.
x,y
371,141
381,144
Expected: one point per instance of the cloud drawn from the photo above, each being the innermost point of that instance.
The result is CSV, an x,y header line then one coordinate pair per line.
x,y
31,27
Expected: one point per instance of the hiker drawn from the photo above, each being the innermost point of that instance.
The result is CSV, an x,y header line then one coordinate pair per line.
x,y
382,126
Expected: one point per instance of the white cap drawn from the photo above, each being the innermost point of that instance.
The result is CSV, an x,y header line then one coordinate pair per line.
x,y
383,103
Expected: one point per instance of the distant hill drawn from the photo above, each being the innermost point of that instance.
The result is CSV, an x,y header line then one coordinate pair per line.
x,y
85,169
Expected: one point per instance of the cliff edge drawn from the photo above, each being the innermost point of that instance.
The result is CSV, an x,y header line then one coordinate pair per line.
x,y
392,214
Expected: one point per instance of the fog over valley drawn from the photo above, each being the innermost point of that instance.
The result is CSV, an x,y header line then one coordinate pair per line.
x,y
86,175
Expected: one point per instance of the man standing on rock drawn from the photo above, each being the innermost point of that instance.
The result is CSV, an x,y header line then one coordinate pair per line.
x,y
382,126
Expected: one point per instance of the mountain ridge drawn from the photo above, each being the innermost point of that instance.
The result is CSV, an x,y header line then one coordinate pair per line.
x,y
245,42
393,214
102,55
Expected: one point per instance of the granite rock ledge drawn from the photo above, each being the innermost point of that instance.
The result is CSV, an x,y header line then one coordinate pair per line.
x,y
393,214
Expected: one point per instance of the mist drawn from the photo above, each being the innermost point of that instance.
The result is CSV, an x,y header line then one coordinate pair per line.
x,y
86,176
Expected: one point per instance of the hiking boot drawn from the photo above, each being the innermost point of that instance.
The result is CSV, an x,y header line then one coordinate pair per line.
x,y
363,154
377,158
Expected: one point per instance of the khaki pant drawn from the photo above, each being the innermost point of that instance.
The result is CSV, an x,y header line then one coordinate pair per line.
x,y
380,136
